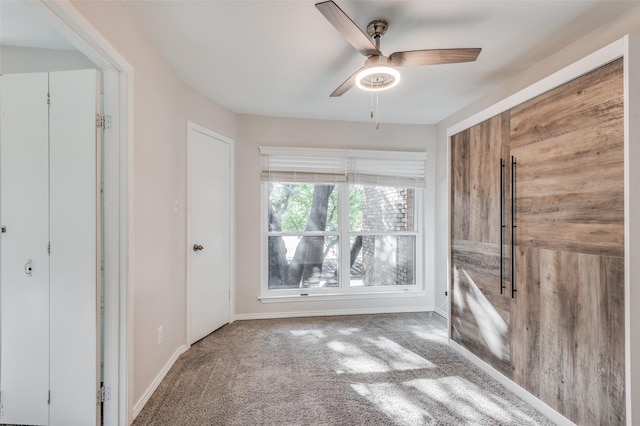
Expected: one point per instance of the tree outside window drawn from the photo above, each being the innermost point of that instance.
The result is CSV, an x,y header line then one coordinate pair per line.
x,y
305,235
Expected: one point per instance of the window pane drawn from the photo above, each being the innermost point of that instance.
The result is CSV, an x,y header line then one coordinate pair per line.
x,y
381,208
382,260
303,207
303,262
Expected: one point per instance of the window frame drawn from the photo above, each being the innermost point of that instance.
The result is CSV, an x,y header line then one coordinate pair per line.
x,y
344,234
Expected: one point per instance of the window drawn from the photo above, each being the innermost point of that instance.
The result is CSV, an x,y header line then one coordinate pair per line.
x,y
341,222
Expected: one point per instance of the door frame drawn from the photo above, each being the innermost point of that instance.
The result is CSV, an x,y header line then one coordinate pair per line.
x,y
193,127
65,19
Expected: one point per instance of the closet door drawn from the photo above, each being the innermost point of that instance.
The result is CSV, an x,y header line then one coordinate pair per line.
x,y
24,262
49,323
73,218
480,310
568,313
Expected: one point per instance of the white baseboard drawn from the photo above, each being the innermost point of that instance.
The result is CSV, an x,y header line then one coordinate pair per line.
x,y
156,382
527,397
362,311
444,314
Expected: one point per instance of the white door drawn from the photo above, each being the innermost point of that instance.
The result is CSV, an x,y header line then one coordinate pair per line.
x,y
48,249
73,262
24,262
209,243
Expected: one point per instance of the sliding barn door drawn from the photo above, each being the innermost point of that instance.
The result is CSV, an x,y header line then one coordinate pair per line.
x,y
481,297
48,249
568,313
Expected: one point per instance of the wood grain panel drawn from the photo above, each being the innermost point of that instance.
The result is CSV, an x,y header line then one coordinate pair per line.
x,y
570,352
484,164
566,320
525,314
480,313
567,107
460,192
569,145
579,237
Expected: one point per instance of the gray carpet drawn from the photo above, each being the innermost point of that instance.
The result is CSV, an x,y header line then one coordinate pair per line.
x,y
392,369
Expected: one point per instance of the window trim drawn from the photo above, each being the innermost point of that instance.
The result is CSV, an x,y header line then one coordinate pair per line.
x,y
344,291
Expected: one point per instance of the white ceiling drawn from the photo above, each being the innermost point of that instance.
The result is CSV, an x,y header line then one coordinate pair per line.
x,y
23,27
283,58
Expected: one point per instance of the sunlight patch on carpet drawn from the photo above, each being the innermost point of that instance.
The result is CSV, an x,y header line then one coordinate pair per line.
x,y
469,401
397,356
429,333
355,360
394,403
379,355
309,336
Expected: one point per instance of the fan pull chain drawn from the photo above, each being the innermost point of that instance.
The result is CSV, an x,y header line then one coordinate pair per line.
x,y
371,104
377,112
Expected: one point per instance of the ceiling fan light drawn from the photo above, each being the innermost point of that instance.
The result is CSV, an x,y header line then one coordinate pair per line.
x,y
379,78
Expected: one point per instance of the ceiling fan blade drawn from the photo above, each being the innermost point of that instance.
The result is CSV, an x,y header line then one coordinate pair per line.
x,y
348,84
433,57
347,28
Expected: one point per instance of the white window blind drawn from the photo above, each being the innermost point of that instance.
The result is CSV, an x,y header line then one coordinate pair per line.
x,y
384,168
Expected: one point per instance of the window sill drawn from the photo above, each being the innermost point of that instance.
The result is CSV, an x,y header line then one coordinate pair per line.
x,y
341,296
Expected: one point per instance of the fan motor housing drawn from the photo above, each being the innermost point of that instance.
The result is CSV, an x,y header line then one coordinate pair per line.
x,y
377,28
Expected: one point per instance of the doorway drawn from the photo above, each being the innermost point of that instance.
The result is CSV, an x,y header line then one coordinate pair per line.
x,y
62,17
209,247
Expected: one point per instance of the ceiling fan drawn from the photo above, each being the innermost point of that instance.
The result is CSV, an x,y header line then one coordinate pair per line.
x,y
379,72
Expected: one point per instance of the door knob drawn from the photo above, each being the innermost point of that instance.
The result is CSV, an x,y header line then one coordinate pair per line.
x,y
197,247
28,268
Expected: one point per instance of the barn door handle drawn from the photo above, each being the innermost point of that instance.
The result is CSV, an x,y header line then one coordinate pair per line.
x,y
513,226
197,247
502,225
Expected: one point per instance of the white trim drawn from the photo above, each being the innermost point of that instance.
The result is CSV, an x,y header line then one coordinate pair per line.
x,y
111,243
137,408
632,226
448,298
314,297
65,19
627,47
527,397
330,313
191,126
444,314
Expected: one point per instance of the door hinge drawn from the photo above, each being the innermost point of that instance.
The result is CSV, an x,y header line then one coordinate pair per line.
x,y
4,229
103,121
49,400
104,394
48,98
49,248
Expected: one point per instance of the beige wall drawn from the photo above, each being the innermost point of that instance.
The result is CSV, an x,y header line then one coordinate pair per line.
x,y
613,30
162,106
254,131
